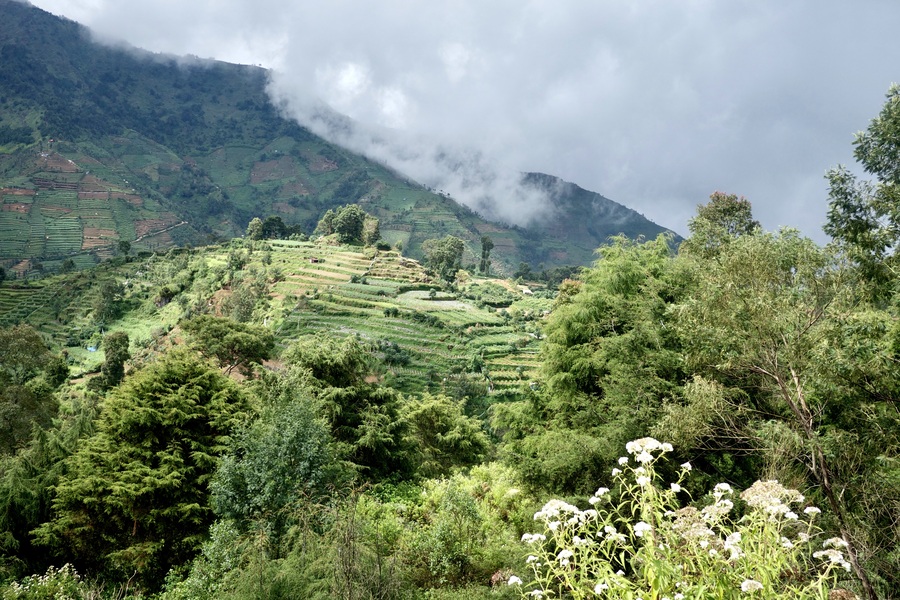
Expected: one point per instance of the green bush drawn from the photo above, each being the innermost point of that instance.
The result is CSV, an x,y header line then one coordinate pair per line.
x,y
56,584
643,544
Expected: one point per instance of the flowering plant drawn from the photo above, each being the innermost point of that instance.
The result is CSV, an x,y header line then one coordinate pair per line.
x,y
646,546
56,584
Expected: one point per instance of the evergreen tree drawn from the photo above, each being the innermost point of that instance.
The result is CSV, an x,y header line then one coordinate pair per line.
x,y
115,347
134,498
610,360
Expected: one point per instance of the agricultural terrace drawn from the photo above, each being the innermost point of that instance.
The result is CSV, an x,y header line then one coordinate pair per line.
x,y
426,337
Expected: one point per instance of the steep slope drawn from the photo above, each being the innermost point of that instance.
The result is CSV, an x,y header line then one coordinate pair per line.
x,y
100,145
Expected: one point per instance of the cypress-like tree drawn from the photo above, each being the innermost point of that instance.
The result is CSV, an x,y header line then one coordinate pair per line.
x,y
135,496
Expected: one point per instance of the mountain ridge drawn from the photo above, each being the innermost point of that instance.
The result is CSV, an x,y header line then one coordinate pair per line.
x,y
199,143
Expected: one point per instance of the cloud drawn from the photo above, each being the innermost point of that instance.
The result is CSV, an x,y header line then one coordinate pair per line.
x,y
653,103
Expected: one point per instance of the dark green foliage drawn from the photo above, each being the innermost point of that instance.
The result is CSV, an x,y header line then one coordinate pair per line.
x,y
28,378
863,216
115,347
15,135
231,343
486,246
26,482
365,419
22,353
273,228
348,223
444,256
106,303
391,353
443,436
609,362
134,498
67,266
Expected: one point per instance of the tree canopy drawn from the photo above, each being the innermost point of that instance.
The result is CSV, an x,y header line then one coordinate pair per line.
x,y
444,256
135,496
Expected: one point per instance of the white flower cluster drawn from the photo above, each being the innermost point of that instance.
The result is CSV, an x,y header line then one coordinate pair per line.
x,y
582,540
775,499
751,585
832,552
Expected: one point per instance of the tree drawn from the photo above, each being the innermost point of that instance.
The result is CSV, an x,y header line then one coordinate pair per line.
x,y
365,419
2,274
348,223
486,245
444,256
254,229
231,343
282,461
723,218
28,377
776,317
864,217
115,348
609,362
443,436
123,247
134,498
67,266
105,304
273,228
371,232
325,226
22,353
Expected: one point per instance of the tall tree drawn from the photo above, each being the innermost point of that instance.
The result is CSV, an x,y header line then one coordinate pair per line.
x,y
349,222
365,419
723,218
134,498
371,231
22,353
444,256
115,348
610,360
254,229
864,216
229,342
777,318
487,244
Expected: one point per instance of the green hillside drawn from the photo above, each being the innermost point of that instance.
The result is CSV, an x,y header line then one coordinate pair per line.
x,y
100,145
483,336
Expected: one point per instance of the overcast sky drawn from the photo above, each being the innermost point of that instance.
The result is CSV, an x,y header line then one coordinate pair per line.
x,y
652,103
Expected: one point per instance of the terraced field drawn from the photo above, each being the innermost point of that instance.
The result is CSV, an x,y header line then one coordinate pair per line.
x,y
72,208
429,338
386,297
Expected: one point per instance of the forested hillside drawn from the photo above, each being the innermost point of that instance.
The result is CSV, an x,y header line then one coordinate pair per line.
x,y
100,145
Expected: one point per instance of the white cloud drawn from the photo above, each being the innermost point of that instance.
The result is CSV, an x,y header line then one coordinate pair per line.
x,y
655,103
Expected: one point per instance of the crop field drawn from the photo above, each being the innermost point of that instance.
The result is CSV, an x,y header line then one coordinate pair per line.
x,y
438,331
73,205
427,337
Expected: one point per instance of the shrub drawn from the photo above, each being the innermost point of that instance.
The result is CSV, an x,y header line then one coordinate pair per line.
x,y
645,545
63,584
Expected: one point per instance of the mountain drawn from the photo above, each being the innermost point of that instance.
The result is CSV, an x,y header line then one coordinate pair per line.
x,y
103,144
